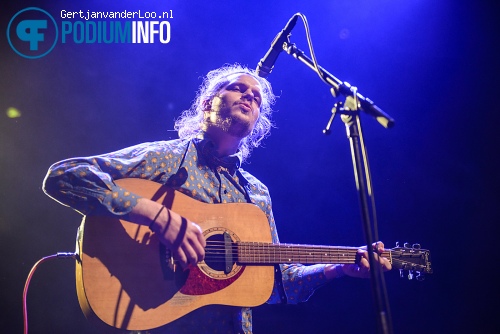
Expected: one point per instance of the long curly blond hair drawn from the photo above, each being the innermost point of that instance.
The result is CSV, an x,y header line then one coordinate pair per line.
x,y
189,124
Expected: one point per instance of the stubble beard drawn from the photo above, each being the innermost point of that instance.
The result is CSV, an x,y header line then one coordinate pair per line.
x,y
221,118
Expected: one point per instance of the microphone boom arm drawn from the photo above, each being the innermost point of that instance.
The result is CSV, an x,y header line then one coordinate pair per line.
x,y
343,88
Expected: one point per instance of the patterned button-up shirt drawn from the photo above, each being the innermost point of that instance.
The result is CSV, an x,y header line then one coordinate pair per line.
x,y
86,184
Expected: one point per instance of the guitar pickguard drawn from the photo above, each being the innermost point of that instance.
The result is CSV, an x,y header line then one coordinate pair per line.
x,y
208,276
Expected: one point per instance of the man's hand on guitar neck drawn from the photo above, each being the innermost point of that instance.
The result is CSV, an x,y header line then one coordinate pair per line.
x,y
183,237
362,267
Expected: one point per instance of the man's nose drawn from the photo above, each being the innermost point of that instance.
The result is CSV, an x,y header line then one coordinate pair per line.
x,y
248,94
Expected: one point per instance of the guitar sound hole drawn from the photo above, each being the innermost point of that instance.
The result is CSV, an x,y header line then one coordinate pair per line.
x,y
215,252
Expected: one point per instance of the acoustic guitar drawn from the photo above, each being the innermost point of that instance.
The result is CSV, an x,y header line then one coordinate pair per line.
x,y
127,279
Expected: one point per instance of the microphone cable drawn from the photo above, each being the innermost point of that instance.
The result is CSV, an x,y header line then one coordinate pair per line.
x,y
311,48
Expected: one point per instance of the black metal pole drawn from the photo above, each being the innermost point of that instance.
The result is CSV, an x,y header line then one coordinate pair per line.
x,y
350,115
359,160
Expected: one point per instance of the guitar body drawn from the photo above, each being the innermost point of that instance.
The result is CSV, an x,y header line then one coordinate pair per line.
x,y
125,278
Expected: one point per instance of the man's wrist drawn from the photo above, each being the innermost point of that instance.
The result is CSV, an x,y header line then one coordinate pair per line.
x,y
339,270
333,271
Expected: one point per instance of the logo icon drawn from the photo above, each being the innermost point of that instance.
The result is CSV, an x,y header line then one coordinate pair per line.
x,y
32,33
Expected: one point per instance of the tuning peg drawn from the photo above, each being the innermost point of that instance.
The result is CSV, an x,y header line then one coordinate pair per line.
x,y
416,246
401,273
420,276
397,243
406,245
410,274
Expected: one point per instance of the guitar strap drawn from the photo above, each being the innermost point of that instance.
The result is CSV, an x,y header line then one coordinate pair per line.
x,y
179,176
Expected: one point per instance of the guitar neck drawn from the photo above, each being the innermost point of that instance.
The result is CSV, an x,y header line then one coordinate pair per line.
x,y
268,253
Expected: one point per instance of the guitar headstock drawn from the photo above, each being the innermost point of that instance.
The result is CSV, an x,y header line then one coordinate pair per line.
x,y
412,259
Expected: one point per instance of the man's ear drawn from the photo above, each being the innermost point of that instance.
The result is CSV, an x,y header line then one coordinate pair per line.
x,y
207,105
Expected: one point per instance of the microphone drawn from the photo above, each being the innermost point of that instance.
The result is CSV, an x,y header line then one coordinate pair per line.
x,y
266,64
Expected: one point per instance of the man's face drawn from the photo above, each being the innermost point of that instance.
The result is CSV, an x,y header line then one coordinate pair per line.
x,y
236,108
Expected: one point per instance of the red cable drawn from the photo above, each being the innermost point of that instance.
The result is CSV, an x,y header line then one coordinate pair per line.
x,y
32,271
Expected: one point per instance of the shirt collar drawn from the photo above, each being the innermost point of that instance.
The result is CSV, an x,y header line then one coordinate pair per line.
x,y
207,150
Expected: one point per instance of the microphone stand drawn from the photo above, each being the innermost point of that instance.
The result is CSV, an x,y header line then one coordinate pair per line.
x,y
349,110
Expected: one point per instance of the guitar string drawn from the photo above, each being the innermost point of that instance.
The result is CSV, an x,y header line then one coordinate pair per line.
x,y
287,251
282,248
290,248
350,257
299,253
278,250
343,260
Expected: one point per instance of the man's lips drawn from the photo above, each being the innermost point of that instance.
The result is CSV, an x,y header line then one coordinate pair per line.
x,y
245,106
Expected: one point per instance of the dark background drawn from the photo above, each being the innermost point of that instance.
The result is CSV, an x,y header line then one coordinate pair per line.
x,y
432,65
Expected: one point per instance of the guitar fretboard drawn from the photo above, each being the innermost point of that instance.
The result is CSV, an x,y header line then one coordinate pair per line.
x,y
268,253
